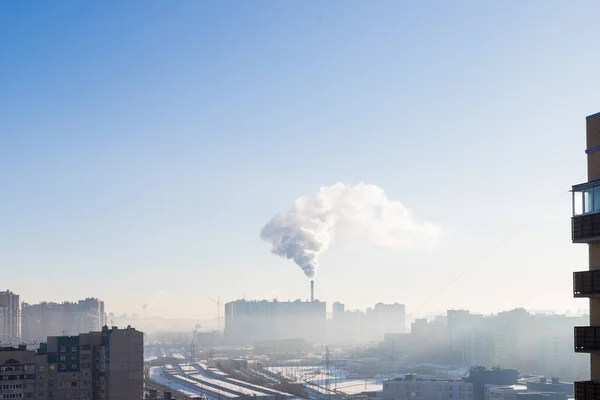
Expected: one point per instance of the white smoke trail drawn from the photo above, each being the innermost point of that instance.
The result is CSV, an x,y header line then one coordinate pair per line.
x,y
360,210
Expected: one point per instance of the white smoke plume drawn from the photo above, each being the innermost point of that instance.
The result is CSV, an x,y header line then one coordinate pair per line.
x,y
361,210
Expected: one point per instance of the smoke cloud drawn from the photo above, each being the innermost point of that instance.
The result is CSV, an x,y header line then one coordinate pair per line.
x,y
362,211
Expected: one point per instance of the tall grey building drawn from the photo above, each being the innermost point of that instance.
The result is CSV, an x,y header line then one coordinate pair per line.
x,y
10,318
55,319
250,321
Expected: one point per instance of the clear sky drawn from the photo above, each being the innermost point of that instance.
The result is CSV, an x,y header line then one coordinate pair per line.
x,y
143,145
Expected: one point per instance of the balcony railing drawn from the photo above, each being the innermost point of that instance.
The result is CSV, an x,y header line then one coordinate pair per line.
x,y
587,390
587,339
586,283
586,228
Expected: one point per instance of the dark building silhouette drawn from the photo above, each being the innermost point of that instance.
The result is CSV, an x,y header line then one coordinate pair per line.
x,y
481,376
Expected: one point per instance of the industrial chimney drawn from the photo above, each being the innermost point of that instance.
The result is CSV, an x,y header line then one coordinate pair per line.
x,y
312,290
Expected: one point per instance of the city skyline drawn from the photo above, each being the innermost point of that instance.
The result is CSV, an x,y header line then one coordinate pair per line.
x,y
137,153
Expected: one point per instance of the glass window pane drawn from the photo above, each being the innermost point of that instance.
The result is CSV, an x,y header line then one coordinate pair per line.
x,y
587,200
577,203
597,199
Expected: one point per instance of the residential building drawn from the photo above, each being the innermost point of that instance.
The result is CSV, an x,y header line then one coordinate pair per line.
x,y
386,318
23,373
412,387
585,228
470,338
249,321
10,318
61,319
102,365
514,337
428,340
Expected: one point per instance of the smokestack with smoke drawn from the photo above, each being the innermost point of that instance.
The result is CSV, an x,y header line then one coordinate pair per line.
x,y
312,290
361,210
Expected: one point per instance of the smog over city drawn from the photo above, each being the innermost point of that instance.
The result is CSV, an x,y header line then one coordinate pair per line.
x,y
299,200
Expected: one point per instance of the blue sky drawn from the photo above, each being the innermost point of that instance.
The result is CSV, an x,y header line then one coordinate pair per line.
x,y
144,144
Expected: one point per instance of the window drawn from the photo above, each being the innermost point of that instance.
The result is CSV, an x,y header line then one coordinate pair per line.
x,y
73,349
63,358
587,200
62,349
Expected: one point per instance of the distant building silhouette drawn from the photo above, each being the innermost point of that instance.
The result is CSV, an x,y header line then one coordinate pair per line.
x,y
249,321
53,319
10,318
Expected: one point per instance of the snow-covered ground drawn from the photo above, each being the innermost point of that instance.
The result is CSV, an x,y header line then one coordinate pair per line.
x,y
157,377
338,379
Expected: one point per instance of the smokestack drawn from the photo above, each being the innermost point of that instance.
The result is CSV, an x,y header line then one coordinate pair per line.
x,y
312,290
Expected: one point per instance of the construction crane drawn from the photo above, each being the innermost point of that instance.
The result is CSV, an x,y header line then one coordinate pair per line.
x,y
218,303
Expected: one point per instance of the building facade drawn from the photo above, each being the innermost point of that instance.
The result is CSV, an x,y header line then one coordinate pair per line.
x,y
249,321
481,377
22,373
61,319
413,388
351,327
103,365
10,318
585,228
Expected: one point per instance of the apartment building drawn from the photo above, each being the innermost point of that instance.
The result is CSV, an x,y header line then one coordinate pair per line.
x,y
10,318
585,228
61,319
102,365
22,373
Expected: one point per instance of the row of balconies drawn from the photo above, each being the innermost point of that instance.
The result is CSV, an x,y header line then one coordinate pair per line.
x,y
585,228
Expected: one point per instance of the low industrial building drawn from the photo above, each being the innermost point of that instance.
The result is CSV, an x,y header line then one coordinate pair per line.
x,y
412,387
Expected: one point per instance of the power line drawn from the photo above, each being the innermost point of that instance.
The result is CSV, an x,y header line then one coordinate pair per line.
x,y
497,246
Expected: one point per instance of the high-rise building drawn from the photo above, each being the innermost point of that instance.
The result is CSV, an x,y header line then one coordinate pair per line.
x,y
10,318
386,318
61,319
338,308
585,225
470,338
514,337
104,365
250,321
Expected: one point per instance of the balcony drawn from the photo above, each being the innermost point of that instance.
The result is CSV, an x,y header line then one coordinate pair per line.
x,y
586,284
587,390
587,339
585,223
586,228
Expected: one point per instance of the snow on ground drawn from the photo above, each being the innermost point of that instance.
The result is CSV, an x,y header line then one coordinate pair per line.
x,y
336,380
